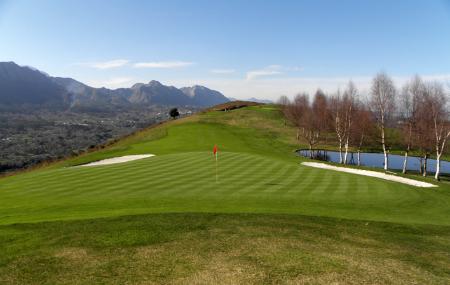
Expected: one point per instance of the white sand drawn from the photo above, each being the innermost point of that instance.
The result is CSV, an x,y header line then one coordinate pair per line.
x,y
371,174
119,159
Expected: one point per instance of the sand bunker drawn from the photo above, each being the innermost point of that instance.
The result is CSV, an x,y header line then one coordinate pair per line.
x,y
119,159
371,174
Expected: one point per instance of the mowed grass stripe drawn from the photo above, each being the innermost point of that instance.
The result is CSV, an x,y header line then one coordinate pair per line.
x,y
235,178
295,180
223,171
249,183
96,180
308,183
338,182
180,174
277,172
260,182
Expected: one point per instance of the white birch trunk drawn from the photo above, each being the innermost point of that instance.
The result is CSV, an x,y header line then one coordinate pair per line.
x,y
346,152
386,160
405,162
438,167
384,147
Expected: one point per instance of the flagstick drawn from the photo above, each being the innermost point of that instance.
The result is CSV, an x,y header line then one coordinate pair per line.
x,y
216,167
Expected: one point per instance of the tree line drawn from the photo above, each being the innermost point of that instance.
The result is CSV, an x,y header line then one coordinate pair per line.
x,y
418,113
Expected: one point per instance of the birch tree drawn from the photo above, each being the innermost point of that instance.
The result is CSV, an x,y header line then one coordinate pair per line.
x,y
350,95
423,136
438,106
383,104
339,122
363,129
410,98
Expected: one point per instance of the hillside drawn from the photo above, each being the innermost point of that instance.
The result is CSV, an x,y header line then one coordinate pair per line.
x,y
255,217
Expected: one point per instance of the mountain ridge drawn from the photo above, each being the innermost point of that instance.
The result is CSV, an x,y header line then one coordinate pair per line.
x,y
23,85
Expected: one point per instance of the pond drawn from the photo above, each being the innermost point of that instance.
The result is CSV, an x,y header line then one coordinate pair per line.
x,y
377,160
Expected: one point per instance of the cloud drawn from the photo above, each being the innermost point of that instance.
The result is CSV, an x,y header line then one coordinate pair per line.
x,y
106,64
437,77
163,64
267,71
116,82
271,70
222,71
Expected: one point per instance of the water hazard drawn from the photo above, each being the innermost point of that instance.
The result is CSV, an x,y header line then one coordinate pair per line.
x,y
377,160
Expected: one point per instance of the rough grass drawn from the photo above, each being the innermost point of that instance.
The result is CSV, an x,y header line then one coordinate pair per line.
x,y
223,249
68,225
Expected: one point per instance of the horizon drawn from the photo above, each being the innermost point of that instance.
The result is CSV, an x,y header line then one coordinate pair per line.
x,y
312,45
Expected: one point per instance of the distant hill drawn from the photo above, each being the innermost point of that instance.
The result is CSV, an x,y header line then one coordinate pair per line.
x,y
21,85
263,101
253,99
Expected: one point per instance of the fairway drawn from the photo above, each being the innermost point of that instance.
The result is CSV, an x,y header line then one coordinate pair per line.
x,y
186,182
260,183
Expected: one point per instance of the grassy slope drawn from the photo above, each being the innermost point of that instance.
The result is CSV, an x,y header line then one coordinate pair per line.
x,y
258,173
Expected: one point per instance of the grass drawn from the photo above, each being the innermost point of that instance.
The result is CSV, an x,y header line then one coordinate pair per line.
x,y
266,219
225,249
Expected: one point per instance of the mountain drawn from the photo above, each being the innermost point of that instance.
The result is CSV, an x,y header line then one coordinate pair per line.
x,y
155,93
86,97
21,85
203,97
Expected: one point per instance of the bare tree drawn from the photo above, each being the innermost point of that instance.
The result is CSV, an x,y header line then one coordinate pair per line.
x,y
310,119
322,116
336,106
283,100
410,98
284,103
383,104
423,137
349,99
363,128
437,101
297,110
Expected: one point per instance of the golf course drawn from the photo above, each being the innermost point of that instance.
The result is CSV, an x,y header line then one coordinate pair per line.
x,y
255,215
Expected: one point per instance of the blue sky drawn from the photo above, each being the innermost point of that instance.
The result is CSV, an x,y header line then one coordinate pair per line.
x,y
242,48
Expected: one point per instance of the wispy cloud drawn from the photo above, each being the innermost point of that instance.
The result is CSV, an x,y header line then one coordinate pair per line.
x,y
105,64
222,71
163,64
266,71
115,82
271,70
